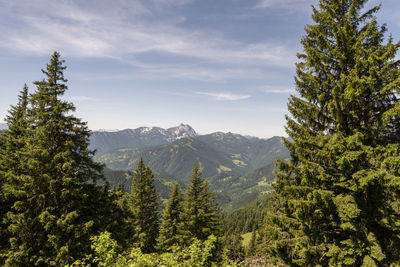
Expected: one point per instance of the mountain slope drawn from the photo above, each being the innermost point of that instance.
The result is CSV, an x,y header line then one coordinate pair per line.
x,y
219,154
238,190
141,137
174,160
163,186
249,153
239,169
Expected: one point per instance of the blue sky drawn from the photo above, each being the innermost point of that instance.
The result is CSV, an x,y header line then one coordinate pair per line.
x,y
218,65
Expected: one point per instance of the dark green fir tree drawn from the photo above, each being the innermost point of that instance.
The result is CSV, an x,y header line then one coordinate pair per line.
x,y
169,235
11,143
118,217
5,205
337,199
234,247
145,209
198,219
53,181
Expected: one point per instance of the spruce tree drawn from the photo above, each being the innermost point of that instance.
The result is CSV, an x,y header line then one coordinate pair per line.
x,y
119,218
145,209
198,219
336,200
11,142
54,213
169,235
234,246
251,251
5,206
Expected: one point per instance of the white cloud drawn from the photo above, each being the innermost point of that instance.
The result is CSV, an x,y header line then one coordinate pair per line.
x,y
288,4
225,96
172,2
124,31
277,89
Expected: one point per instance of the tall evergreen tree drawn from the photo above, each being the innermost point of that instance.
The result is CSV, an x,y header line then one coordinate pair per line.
x,y
169,235
54,214
119,218
5,206
336,200
198,219
11,142
145,209
234,246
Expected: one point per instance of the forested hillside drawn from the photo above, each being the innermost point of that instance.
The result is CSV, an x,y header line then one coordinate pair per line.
x,y
239,169
141,137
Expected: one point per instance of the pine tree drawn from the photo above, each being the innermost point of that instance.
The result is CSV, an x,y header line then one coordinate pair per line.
x,y
145,209
119,216
336,200
169,235
11,142
235,249
5,206
198,219
57,199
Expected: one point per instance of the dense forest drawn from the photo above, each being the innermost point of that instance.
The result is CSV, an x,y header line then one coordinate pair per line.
x,y
336,200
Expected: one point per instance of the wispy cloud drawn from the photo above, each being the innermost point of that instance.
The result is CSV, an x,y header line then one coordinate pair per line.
x,y
172,2
224,96
288,4
277,89
125,32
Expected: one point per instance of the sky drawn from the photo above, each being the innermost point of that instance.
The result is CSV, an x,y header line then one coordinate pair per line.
x,y
217,65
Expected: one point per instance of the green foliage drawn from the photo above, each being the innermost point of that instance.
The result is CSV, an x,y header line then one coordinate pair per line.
x,y
198,219
119,217
51,176
11,142
105,253
336,200
234,246
251,251
237,191
145,209
245,219
114,178
169,235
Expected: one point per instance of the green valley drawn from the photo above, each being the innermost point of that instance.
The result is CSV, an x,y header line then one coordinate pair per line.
x,y
238,168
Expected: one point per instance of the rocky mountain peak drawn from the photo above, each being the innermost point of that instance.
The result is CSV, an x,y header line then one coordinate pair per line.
x,y
182,130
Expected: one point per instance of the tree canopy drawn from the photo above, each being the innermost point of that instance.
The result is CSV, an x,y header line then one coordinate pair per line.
x,y
337,199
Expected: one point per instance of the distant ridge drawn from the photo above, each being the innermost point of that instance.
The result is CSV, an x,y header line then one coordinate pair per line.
x,y
105,141
217,152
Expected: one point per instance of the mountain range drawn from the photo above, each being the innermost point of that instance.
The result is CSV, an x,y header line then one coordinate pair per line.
x,y
105,141
238,168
